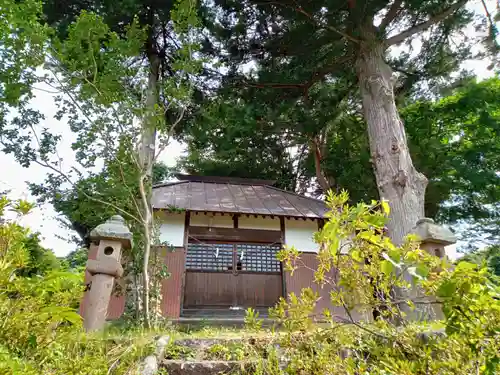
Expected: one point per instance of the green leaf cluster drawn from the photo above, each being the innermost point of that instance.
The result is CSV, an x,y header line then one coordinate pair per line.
x,y
366,272
488,257
41,329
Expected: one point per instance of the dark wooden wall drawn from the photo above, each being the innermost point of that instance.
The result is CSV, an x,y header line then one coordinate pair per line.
x,y
303,278
172,286
221,289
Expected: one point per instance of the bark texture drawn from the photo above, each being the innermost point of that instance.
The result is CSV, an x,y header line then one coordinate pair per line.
x,y
323,181
146,156
397,179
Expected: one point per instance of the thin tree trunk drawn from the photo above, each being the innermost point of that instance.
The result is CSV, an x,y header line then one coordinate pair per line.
x,y
397,179
145,275
129,282
146,156
137,299
323,182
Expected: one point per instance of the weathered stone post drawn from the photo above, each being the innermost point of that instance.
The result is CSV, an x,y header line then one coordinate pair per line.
x,y
113,235
433,239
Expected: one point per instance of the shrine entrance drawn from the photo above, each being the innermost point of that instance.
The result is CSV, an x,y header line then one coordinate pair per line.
x,y
232,276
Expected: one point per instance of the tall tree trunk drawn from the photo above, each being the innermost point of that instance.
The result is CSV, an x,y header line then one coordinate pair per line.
x,y
320,175
397,179
146,157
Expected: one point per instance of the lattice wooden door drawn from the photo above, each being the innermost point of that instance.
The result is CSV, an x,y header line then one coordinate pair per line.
x,y
232,275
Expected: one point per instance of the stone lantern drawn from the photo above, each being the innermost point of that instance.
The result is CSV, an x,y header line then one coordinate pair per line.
x,y
112,236
433,237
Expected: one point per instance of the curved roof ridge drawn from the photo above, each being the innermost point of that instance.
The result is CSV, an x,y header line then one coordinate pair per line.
x,y
225,180
161,184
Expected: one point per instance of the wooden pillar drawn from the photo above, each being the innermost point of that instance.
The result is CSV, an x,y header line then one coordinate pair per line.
x,y
187,223
283,243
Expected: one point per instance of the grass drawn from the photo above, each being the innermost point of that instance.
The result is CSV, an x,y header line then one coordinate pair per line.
x,y
219,332
254,346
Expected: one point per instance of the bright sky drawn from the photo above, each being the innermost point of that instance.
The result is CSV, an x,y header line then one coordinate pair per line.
x,y
43,218
15,178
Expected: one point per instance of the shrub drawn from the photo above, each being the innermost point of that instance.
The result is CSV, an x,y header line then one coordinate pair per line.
x,y
399,286
40,329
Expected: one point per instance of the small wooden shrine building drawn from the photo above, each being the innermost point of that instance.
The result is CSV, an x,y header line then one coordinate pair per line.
x,y
225,233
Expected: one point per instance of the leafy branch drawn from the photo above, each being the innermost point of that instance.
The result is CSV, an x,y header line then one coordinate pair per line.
x,y
425,25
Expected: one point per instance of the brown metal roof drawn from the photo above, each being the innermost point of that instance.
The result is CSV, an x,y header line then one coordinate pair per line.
x,y
219,179
236,197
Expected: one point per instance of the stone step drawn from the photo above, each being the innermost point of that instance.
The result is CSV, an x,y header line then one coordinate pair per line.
x,y
210,349
202,343
217,355
228,322
179,367
221,313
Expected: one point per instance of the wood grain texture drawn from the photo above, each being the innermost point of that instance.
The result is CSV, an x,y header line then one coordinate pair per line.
x,y
171,287
303,277
235,235
208,289
223,289
258,290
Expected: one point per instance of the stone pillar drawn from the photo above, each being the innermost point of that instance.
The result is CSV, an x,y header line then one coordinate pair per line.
x,y
433,239
112,236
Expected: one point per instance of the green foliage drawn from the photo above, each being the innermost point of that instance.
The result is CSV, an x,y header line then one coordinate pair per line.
x,y
453,141
22,41
122,73
371,275
252,321
41,329
76,259
352,240
488,257
33,259
294,312
234,143
455,144
80,212
228,352
34,308
40,260
292,83
173,351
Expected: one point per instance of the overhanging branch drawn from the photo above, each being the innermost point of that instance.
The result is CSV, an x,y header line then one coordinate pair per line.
x,y
391,14
329,27
275,85
305,86
425,25
298,8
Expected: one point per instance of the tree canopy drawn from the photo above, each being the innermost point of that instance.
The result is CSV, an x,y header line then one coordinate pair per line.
x,y
283,53
123,77
454,141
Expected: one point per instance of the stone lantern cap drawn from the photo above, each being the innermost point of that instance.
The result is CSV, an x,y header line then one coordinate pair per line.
x,y
113,229
429,231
